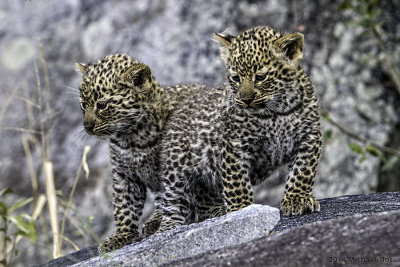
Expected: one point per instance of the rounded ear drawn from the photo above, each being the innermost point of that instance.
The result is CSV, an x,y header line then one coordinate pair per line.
x,y
82,68
290,46
137,75
224,41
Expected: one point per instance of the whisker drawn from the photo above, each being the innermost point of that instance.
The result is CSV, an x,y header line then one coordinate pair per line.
x,y
73,99
73,93
79,135
72,88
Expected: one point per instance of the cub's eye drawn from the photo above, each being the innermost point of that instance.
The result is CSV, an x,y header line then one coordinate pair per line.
x,y
83,106
101,105
235,78
260,77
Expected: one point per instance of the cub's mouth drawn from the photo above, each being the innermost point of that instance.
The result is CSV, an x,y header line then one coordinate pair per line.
x,y
254,103
92,129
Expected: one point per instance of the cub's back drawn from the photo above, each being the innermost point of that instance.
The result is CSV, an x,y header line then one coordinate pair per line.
x,y
192,134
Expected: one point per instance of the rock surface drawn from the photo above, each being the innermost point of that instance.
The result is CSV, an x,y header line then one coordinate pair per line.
x,y
332,208
190,240
348,229
354,241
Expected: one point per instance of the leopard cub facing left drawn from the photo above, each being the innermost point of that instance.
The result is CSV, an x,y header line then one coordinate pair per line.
x,y
121,101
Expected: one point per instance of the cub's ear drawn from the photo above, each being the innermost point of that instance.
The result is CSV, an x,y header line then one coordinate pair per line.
x,y
225,41
82,68
290,46
138,75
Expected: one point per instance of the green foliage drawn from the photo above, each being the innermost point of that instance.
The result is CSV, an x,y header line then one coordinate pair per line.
x,y
390,163
356,148
26,226
328,135
368,10
12,226
359,150
368,15
374,152
363,151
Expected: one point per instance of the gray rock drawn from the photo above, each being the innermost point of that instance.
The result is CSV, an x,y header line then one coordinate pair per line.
x,y
193,239
185,241
351,230
333,208
351,241
348,228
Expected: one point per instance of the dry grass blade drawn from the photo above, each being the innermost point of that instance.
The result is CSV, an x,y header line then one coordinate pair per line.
x,y
52,204
85,167
29,158
48,109
84,163
75,246
23,130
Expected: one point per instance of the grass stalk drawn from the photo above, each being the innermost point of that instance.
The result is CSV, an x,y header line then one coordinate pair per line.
x,y
52,205
47,94
82,166
29,159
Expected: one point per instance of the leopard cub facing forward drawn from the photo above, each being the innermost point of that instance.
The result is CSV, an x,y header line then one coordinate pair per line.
x,y
122,102
232,138
275,121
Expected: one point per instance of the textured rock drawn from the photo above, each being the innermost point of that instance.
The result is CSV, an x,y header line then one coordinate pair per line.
x,y
348,228
354,241
332,208
190,240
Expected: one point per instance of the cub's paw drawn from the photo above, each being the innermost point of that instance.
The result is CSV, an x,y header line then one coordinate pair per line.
x,y
118,240
298,205
168,225
217,212
153,224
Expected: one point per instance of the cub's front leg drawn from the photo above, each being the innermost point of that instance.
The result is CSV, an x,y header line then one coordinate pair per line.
x,y
208,201
175,202
298,198
235,171
153,223
129,196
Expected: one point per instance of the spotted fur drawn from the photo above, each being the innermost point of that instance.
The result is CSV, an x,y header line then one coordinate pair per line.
x,y
122,102
231,138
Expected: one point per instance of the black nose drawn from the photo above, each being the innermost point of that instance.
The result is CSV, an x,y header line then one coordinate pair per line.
x,y
89,126
248,101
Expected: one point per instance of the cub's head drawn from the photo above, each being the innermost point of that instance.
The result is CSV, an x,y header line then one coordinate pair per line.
x,y
263,69
114,94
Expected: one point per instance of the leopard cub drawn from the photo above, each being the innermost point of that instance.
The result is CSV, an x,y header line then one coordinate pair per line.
x,y
275,118
122,102
231,138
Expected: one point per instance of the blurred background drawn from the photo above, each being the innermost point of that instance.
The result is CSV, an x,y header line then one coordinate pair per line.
x,y
351,53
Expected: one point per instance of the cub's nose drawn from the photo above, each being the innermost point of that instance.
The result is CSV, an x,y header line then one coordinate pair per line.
x,y
248,101
247,96
89,125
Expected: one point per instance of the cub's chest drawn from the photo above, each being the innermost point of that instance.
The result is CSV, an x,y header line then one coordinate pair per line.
x,y
278,128
133,158
271,136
